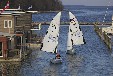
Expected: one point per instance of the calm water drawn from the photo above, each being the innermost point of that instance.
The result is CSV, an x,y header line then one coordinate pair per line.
x,y
91,59
83,14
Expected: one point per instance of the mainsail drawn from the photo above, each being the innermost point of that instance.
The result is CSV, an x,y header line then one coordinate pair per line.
x,y
50,40
75,35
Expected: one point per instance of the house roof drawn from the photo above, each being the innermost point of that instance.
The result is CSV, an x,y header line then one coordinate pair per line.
x,y
12,12
12,9
15,11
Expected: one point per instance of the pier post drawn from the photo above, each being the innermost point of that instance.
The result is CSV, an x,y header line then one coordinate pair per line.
x,y
21,49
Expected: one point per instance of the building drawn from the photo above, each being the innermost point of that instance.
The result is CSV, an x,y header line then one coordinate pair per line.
x,y
5,39
108,30
14,22
3,46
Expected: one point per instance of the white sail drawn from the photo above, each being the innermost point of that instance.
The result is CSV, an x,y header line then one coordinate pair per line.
x,y
50,40
69,43
75,36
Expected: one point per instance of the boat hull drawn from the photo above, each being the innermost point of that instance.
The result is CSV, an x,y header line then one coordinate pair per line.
x,y
71,52
56,61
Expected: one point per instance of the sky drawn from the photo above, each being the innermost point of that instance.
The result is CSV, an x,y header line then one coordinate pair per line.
x,y
88,2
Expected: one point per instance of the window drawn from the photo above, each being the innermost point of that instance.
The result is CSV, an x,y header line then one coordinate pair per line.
x,y
10,23
7,23
0,49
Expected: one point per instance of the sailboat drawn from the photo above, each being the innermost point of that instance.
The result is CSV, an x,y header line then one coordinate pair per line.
x,y
75,35
50,41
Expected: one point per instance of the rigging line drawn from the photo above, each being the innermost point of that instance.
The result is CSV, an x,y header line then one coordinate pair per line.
x,y
106,12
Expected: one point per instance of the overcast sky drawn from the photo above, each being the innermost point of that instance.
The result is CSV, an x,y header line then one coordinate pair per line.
x,y
88,2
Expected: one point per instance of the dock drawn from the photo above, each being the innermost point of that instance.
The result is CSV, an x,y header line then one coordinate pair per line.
x,y
104,36
16,56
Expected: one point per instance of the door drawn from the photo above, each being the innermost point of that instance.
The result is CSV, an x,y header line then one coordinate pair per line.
x,y
0,48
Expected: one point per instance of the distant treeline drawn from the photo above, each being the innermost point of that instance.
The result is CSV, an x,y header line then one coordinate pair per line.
x,y
38,5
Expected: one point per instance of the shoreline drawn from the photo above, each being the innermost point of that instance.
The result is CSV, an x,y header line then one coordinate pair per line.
x,y
80,23
87,25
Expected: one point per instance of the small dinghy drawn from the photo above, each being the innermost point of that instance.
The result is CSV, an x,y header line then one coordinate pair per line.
x,y
56,61
50,40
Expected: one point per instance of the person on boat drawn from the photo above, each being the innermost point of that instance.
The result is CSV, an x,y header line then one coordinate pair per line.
x,y
57,56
